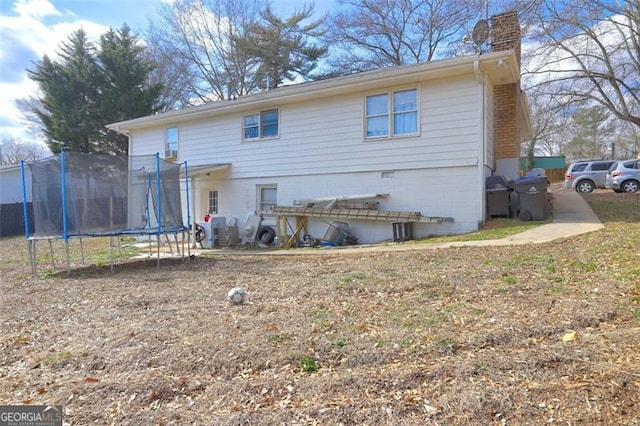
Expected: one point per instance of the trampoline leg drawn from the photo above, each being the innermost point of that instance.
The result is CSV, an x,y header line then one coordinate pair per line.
x,y
189,243
111,254
53,266
81,251
31,245
158,250
66,244
175,237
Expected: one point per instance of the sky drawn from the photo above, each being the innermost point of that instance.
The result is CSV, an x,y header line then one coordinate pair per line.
x,y
29,29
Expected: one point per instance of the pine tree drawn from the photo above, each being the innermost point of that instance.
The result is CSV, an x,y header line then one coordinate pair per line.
x,y
125,94
70,89
88,88
282,47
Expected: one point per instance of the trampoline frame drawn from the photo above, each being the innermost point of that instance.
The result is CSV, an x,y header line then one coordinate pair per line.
x,y
148,230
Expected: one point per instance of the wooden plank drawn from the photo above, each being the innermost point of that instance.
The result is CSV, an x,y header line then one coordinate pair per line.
x,y
379,215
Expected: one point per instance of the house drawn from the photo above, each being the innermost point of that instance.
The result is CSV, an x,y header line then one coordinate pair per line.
x,y
423,137
12,198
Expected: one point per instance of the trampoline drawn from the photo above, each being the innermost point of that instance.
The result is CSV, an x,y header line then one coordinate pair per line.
x,y
76,195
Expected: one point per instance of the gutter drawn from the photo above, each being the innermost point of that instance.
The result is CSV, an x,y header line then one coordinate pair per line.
x,y
482,149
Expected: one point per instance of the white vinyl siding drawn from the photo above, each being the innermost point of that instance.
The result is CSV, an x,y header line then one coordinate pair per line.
x,y
325,136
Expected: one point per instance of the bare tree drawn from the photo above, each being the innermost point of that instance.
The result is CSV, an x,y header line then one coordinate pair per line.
x,y
370,34
589,54
626,142
14,150
195,47
544,116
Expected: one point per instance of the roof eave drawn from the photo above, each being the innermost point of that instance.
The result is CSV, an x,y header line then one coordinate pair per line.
x,y
492,63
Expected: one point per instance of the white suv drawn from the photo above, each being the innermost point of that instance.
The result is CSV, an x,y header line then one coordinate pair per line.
x,y
585,176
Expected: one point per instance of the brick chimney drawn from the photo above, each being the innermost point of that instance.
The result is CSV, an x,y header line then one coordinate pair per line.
x,y
505,35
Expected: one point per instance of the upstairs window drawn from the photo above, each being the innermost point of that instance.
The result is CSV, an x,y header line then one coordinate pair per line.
x,y
391,114
261,125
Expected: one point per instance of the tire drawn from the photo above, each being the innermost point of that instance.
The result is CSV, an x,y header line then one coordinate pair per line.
x,y
200,234
630,186
525,216
585,186
266,235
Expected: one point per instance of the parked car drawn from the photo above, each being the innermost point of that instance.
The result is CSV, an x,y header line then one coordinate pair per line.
x,y
624,176
585,176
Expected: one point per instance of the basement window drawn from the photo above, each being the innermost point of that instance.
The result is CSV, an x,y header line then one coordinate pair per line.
x,y
267,197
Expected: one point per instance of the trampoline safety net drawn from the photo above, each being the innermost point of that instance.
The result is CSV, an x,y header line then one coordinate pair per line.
x,y
77,194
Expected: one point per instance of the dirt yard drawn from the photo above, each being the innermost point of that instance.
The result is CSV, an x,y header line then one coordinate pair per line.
x,y
461,336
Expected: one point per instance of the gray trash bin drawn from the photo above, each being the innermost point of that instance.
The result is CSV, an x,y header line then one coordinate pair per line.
x,y
533,200
499,196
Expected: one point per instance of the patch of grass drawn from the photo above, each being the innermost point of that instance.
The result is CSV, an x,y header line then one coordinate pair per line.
x,y
495,229
636,314
48,273
581,266
557,290
103,257
509,279
308,364
339,343
447,346
56,359
275,339
354,277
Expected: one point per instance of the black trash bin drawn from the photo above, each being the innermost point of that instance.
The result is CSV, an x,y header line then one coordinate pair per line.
x,y
499,196
533,200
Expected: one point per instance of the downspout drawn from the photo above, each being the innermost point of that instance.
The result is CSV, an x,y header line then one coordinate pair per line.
x,y
482,149
193,209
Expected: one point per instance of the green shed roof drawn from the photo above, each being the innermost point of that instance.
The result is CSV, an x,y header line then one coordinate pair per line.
x,y
558,162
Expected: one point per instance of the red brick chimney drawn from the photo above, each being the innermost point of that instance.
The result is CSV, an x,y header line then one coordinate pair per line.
x,y
505,32
505,35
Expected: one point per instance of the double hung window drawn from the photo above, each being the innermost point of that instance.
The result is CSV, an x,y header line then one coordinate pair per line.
x,y
261,125
391,114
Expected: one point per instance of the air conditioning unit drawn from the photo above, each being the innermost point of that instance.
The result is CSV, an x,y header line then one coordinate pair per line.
x,y
171,153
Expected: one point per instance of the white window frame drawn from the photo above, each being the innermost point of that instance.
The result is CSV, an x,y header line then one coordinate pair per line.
x,y
391,114
169,143
260,125
260,203
213,197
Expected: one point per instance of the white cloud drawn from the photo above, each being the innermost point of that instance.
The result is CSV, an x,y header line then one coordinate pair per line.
x,y
37,9
35,28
